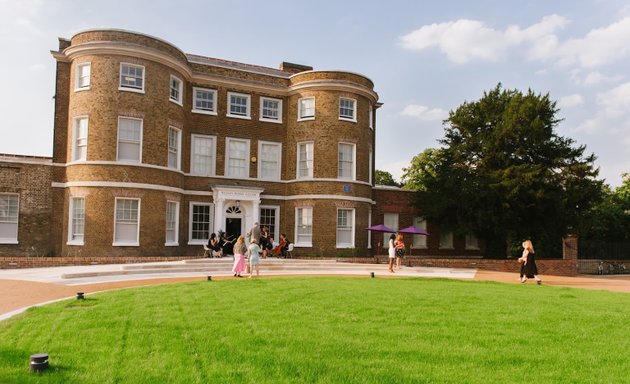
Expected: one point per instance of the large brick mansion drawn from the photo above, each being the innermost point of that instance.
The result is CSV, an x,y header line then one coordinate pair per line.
x,y
155,149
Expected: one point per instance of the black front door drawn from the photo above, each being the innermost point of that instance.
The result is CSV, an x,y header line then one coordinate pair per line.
x,y
233,227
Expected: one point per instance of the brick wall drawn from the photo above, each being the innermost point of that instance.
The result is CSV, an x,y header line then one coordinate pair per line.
x,y
43,262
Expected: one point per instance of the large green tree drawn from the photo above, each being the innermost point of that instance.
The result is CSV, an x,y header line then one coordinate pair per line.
x,y
385,178
609,220
504,174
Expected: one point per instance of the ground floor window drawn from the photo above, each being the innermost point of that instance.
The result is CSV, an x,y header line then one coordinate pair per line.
x,y
345,228
77,221
472,242
127,226
201,217
9,209
446,240
269,219
304,227
172,216
419,241
390,220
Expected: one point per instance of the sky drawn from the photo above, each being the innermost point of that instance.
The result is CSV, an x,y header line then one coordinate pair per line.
x,y
424,57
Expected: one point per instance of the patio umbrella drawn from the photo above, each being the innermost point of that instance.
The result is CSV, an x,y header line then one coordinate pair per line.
x,y
413,231
381,228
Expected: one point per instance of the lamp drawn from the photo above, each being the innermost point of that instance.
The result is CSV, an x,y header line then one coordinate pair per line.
x,y
238,203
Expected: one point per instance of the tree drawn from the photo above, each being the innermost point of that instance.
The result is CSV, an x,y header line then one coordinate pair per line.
x,y
385,178
609,220
504,175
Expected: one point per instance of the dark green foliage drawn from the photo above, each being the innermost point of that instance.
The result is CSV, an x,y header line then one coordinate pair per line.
x,y
385,178
504,174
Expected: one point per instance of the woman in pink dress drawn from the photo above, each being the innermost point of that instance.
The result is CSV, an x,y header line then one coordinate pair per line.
x,y
239,257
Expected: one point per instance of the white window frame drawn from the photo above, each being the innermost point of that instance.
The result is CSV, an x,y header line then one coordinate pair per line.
x,y
353,169
311,171
276,232
472,242
352,118
229,157
8,221
212,111
176,95
446,240
174,153
80,75
132,243
213,156
390,219
175,229
248,105
76,238
302,116
419,241
369,233
278,166
299,212
118,141
210,206
79,141
127,87
351,228
270,119
371,165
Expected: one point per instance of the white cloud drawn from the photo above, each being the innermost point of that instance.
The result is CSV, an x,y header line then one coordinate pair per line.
x,y
616,102
571,101
465,40
613,113
424,113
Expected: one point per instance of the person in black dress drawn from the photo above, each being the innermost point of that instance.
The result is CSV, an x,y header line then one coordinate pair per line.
x,y
528,263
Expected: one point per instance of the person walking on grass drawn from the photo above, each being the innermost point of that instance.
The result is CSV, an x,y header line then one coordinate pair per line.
x,y
528,263
254,258
391,252
400,250
240,249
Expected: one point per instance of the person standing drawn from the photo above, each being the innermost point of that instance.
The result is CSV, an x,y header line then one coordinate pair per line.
x,y
528,263
254,233
254,258
400,250
391,251
240,249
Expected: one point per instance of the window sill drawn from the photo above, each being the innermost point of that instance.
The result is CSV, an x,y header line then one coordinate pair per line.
x,y
134,90
308,118
239,117
125,244
9,241
203,112
303,245
75,242
347,119
198,242
345,246
82,89
171,244
178,102
271,121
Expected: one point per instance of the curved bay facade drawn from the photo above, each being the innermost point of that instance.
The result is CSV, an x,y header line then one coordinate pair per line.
x,y
155,149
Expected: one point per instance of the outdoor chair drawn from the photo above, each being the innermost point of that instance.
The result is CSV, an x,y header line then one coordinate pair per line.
x,y
289,251
207,252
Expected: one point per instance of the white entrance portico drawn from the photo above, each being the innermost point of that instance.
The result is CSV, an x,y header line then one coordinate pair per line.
x,y
247,199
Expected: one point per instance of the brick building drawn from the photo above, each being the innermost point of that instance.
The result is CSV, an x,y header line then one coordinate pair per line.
x,y
155,149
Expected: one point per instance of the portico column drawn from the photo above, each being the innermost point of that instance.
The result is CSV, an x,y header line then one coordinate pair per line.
x,y
219,211
256,213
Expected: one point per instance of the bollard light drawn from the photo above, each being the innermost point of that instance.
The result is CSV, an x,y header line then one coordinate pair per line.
x,y
39,362
80,296
209,277
372,274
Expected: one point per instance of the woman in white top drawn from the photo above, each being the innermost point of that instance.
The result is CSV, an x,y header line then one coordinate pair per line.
x,y
254,258
392,252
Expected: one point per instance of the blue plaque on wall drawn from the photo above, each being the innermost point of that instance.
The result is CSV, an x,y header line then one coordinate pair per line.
x,y
346,188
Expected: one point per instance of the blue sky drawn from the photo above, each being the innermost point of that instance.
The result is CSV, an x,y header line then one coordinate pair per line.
x,y
425,58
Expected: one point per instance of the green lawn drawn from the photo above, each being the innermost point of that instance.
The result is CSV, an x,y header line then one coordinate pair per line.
x,y
325,330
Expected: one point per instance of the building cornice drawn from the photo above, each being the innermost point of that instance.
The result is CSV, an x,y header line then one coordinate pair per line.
x,y
328,85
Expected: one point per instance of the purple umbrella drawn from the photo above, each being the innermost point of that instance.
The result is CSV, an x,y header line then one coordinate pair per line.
x,y
381,228
413,231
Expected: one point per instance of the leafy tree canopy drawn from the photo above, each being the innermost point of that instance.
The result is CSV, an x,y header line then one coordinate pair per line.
x,y
504,174
385,178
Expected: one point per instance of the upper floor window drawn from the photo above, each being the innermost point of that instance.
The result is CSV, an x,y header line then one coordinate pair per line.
x,y
176,93
306,108
204,101
82,77
238,105
9,210
237,158
269,155
270,110
127,222
79,147
305,160
203,155
129,139
174,148
347,109
131,77
76,224
346,169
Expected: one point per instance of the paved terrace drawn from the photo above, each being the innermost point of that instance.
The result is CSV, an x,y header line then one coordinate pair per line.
x,y
23,288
